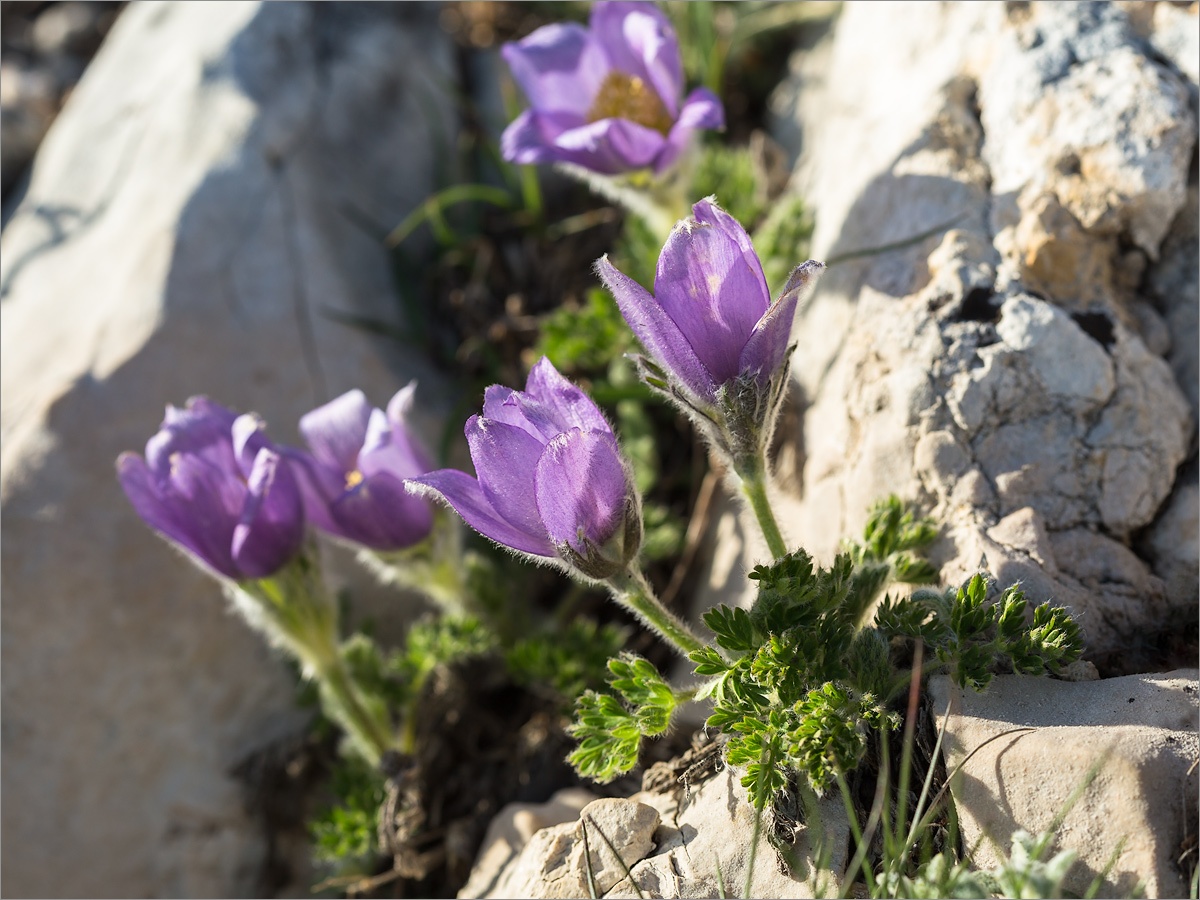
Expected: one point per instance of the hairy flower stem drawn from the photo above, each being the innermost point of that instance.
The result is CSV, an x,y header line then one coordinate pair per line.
x,y
435,567
293,611
633,592
754,486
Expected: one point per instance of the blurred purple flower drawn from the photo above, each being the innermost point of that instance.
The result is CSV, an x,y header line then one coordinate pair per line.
x,y
214,484
710,319
551,481
606,98
353,478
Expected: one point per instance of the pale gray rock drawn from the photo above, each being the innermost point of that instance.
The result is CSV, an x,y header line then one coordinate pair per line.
x,y
194,216
511,829
1003,368
684,843
1172,543
1137,732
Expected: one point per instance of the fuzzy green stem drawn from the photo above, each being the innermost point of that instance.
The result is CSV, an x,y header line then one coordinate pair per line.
x,y
754,486
348,709
633,592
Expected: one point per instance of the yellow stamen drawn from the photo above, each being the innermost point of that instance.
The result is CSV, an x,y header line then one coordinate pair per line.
x,y
623,96
353,479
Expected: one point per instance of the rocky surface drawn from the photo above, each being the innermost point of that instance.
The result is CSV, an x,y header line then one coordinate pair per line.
x,y
1138,732
194,220
1024,369
673,842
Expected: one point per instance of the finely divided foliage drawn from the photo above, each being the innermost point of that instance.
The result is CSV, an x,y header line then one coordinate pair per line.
x,y
801,679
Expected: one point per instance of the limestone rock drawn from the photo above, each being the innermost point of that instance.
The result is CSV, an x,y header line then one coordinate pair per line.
x,y
1140,731
511,829
193,219
1004,366
675,844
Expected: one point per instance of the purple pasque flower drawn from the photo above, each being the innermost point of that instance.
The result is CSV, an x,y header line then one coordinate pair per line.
x,y
551,481
352,480
215,485
716,342
606,97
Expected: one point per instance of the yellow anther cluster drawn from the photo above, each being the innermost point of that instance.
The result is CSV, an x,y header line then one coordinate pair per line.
x,y
623,96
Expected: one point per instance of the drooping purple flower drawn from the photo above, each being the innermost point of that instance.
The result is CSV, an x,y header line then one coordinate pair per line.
x,y
607,97
710,319
352,480
214,484
551,481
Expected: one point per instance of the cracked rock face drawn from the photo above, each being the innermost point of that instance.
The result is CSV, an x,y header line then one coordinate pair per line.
x,y
1138,732
1025,368
678,843
186,231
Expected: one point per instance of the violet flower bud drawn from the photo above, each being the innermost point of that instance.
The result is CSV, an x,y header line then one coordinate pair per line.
x,y
213,483
715,341
607,97
551,482
352,481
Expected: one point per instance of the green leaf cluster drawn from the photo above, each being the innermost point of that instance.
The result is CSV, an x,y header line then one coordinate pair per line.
x,y
972,636
347,830
396,678
570,660
610,728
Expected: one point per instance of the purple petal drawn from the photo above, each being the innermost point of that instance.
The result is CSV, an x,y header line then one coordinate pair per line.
x,y
271,526
767,347
505,458
702,109
248,440
581,489
380,513
398,410
202,428
335,432
503,404
638,40
529,138
610,146
172,519
464,493
661,337
708,287
381,451
319,486
569,406
559,67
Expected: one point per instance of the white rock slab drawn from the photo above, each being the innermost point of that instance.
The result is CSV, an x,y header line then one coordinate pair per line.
x,y
1141,732
192,214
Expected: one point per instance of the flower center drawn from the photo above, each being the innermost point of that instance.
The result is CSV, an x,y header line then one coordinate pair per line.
x,y
353,479
623,96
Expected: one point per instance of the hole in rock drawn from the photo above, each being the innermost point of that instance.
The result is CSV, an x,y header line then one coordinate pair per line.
x,y
977,306
1098,325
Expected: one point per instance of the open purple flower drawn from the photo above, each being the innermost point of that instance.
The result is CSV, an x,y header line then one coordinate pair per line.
x,y
606,98
710,320
551,481
353,478
214,484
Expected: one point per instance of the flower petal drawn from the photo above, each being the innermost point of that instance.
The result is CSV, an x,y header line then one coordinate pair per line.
x,y
201,428
767,347
707,286
466,496
529,138
398,410
335,432
271,526
559,67
657,332
319,486
505,458
581,489
702,109
639,40
174,520
568,405
609,146
382,452
381,514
